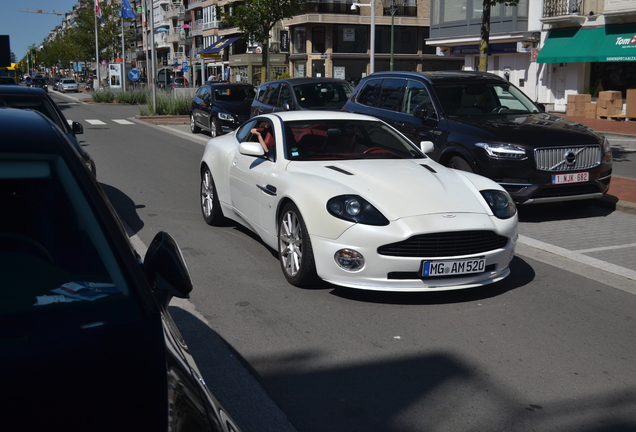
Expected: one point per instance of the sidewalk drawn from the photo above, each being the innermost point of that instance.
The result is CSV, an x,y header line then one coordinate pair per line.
x,y
622,192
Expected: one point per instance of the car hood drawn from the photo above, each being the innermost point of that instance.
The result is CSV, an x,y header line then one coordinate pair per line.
x,y
239,108
533,130
398,188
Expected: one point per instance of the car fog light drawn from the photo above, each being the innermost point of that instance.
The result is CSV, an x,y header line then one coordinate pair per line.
x,y
349,260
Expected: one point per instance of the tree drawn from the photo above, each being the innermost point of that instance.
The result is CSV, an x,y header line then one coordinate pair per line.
x,y
485,30
256,20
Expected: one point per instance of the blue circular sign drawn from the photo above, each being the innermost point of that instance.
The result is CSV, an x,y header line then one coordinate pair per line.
x,y
134,75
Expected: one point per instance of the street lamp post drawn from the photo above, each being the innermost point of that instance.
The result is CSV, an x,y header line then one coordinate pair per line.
x,y
372,47
392,9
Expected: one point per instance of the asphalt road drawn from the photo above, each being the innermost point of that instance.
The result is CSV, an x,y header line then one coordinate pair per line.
x,y
551,348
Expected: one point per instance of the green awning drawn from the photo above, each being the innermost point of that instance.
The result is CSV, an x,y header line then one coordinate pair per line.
x,y
572,45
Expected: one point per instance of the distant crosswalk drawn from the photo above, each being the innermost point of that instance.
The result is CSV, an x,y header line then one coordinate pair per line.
x,y
96,122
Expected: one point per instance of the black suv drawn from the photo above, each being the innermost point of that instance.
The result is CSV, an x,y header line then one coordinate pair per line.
x,y
309,93
479,122
220,107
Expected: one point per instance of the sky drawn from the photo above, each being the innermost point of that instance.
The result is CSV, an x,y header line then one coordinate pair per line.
x,y
26,29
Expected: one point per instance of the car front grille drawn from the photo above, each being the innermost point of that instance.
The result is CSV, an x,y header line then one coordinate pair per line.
x,y
567,158
445,244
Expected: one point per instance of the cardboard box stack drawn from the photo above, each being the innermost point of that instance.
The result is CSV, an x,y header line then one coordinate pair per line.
x,y
609,103
630,103
580,105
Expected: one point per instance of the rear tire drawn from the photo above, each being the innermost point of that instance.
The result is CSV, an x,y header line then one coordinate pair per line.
x,y
193,127
459,163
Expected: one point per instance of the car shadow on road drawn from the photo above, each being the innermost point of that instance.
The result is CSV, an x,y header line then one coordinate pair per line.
x,y
567,210
126,207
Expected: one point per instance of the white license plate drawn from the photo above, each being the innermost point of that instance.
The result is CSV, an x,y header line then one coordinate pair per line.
x,y
571,178
444,268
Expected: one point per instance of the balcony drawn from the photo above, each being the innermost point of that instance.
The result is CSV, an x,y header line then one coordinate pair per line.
x,y
176,35
330,7
195,4
196,28
160,20
211,25
619,12
563,12
161,40
179,57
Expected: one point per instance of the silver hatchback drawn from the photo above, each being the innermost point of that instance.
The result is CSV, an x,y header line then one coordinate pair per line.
x,y
67,84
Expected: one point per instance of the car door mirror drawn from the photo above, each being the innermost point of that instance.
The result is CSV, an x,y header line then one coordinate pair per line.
x,y
427,146
287,106
422,112
166,270
77,128
540,106
251,149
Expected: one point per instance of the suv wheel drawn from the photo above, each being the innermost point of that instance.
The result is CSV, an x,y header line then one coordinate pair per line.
x,y
458,162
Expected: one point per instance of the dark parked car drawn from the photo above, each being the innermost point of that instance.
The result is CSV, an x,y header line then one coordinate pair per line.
x,y
479,122
86,340
179,82
37,99
301,94
42,83
220,107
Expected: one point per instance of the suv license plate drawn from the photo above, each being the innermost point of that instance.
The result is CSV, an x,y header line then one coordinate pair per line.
x,y
581,177
445,268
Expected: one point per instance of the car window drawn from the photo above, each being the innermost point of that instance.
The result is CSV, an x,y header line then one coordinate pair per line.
x,y
233,93
414,96
285,96
203,91
53,251
369,94
391,93
471,98
271,94
322,95
243,132
41,104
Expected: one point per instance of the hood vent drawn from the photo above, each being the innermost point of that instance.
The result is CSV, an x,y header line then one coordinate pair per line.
x,y
335,168
429,168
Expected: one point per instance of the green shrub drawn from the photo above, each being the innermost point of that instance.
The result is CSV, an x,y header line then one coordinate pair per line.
x,y
133,97
168,104
103,96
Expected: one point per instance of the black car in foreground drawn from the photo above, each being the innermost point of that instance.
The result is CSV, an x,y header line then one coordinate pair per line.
x,y
36,99
220,107
479,122
86,340
297,94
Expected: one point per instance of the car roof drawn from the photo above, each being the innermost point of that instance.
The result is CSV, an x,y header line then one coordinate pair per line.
x,y
29,131
308,80
23,91
446,76
311,115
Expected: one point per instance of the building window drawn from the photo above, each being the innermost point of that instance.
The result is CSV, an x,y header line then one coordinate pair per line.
x,y
318,40
300,41
351,38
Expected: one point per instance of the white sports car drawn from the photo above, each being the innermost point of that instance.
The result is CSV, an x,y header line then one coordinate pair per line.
x,y
347,199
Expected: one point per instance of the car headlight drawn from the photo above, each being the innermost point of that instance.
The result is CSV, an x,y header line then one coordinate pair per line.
x,y
225,116
503,151
500,203
353,208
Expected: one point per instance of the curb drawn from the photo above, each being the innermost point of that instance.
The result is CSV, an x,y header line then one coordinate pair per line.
x,y
165,119
613,203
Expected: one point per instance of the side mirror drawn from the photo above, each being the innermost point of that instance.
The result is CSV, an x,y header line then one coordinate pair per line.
x,y
427,146
251,149
77,128
286,106
166,269
422,112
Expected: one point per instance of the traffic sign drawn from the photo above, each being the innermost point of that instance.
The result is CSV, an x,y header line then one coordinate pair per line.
x,y
134,75
184,66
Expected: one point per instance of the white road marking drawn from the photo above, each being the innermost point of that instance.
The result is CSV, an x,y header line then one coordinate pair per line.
x,y
123,122
95,122
606,248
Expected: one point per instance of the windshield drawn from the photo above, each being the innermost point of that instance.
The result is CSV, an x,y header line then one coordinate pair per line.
x,y
346,139
68,81
470,99
233,94
53,251
331,96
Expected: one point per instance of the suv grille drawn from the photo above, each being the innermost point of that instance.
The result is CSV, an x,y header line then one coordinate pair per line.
x,y
445,244
567,158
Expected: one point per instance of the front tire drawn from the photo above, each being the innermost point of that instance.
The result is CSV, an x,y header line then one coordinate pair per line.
x,y
294,249
215,128
459,163
210,204
193,127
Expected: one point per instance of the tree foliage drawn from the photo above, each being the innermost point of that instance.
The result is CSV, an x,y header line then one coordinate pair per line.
x,y
485,30
77,43
256,18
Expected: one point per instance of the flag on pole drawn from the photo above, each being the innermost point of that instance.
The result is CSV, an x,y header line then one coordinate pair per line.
x,y
127,10
98,11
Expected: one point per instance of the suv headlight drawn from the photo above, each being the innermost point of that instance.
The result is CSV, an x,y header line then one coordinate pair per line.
x,y
225,116
503,151
500,203
353,208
